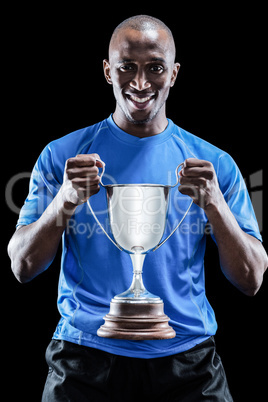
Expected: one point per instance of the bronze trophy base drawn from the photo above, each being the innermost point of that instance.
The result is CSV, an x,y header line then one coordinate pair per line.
x,y
136,321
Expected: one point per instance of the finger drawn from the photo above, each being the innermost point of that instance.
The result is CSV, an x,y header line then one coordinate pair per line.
x,y
193,181
84,194
82,160
204,172
191,171
191,191
93,156
82,172
85,182
192,162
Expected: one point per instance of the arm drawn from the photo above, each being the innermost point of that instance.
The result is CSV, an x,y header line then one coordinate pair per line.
x,y
33,247
242,257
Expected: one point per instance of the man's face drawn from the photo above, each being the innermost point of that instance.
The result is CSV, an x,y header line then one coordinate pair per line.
x,y
141,69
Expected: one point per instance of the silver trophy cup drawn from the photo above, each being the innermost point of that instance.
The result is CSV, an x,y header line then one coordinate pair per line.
x,y
137,216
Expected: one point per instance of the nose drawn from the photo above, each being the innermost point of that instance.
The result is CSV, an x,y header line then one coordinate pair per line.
x,y
140,81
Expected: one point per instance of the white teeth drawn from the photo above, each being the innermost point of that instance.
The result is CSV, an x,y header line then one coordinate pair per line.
x,y
139,100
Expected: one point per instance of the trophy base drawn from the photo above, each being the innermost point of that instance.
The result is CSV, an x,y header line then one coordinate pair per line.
x,y
136,321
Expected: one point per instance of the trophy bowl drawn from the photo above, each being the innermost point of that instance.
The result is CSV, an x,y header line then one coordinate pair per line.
x,y
137,215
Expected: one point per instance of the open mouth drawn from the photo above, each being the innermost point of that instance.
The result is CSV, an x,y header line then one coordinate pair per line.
x,y
140,102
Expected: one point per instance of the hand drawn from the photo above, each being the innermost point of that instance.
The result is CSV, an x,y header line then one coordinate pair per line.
x,y
198,180
81,180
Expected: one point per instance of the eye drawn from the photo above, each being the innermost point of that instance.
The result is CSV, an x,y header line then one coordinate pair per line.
x,y
126,67
157,69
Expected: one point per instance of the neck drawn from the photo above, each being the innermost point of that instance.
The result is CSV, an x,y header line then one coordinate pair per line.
x,y
147,129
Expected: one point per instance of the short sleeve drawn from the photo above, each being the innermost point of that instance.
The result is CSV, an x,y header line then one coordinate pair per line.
x,y
236,195
44,186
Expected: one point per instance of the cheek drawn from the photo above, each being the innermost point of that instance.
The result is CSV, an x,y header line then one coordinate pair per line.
x,y
117,84
164,90
119,80
162,82
117,92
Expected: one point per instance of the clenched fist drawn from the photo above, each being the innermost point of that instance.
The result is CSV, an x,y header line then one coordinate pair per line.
x,y
198,179
81,180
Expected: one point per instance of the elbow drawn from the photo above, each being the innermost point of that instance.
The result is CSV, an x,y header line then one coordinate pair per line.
x,y
254,277
251,291
249,284
25,268
20,270
252,284
21,276
19,266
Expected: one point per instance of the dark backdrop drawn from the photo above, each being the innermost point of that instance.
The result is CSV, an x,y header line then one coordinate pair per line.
x,y
53,84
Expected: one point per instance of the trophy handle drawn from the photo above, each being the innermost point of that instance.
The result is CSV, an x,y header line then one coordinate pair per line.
x,y
182,219
103,170
177,174
93,213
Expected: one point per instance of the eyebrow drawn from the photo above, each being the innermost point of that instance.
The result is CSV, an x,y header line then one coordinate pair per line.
x,y
159,59
125,61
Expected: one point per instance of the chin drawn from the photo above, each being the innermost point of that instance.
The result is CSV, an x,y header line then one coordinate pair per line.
x,y
139,120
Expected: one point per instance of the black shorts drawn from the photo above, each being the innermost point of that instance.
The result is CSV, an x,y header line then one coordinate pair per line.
x,y
82,374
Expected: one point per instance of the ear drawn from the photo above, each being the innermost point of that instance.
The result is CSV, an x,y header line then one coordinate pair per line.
x,y
107,71
174,74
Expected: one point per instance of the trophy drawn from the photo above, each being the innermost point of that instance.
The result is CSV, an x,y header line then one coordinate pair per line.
x,y
137,216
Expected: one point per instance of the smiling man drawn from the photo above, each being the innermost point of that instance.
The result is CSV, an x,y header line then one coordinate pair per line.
x,y
142,70
139,144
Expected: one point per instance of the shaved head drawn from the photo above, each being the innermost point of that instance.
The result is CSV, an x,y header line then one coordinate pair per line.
x,y
142,23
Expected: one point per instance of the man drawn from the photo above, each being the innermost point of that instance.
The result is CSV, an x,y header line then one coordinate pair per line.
x,y
138,144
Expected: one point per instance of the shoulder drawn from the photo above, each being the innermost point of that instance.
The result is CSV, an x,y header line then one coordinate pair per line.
x,y
224,165
55,154
197,147
77,141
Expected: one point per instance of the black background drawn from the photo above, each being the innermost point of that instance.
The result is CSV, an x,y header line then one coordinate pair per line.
x,y
53,84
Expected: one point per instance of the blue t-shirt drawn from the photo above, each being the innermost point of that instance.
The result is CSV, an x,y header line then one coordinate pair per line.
x,y
93,270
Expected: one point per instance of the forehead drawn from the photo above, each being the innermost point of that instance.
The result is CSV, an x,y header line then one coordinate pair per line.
x,y
133,44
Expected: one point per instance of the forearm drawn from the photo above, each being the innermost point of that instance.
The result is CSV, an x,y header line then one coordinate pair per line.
x,y
242,257
33,247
